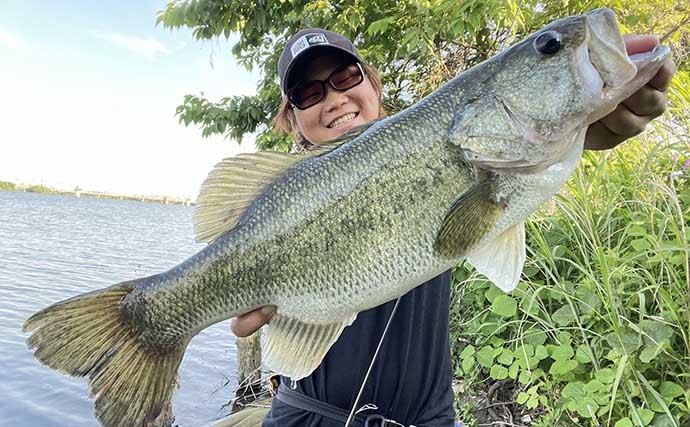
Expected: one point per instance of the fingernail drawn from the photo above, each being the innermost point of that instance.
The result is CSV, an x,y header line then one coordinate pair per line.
x,y
268,310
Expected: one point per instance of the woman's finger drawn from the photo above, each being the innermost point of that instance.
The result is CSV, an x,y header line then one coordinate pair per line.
x,y
248,323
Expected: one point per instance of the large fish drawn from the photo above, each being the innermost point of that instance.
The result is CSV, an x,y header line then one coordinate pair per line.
x,y
356,222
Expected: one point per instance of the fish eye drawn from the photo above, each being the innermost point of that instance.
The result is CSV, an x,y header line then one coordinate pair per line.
x,y
548,42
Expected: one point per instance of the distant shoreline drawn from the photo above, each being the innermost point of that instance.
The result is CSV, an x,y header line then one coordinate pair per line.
x,y
78,192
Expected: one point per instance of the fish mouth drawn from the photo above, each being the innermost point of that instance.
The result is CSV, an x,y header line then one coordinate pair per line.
x,y
609,75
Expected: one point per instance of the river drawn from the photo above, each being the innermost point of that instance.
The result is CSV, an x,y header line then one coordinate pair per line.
x,y
53,247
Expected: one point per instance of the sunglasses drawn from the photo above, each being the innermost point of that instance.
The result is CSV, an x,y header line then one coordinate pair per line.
x,y
310,93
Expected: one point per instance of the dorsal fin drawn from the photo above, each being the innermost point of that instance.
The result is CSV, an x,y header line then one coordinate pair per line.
x,y
234,183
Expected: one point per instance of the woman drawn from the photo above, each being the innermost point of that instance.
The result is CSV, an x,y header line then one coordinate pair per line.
x,y
328,90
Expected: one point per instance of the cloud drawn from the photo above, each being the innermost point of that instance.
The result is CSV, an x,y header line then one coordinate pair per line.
x,y
9,40
146,47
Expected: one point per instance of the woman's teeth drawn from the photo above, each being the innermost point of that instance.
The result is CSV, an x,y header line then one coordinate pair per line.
x,y
342,120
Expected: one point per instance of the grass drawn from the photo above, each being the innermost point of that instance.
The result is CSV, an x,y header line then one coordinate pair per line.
x,y
598,331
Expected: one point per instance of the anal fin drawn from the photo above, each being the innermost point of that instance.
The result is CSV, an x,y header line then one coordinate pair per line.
x,y
502,259
295,349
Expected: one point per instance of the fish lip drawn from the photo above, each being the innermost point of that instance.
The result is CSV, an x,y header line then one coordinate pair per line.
x,y
356,113
606,48
644,59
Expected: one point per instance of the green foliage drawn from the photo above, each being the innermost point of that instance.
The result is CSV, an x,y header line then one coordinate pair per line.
x,y
7,186
40,189
417,45
601,329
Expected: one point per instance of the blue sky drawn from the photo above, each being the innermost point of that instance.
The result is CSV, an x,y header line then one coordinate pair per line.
x,y
89,91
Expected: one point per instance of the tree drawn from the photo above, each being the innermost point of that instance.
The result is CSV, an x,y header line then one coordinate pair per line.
x,y
417,45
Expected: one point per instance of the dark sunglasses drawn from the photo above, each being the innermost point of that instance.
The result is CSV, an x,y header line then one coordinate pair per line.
x,y
310,93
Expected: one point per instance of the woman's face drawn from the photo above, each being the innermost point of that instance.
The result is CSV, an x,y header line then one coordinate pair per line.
x,y
338,112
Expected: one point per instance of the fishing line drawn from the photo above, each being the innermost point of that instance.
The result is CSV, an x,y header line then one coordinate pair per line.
x,y
371,365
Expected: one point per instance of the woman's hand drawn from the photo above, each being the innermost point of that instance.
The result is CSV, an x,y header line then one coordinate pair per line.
x,y
248,323
632,115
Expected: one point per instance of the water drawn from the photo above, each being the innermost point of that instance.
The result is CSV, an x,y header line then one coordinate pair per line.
x,y
53,247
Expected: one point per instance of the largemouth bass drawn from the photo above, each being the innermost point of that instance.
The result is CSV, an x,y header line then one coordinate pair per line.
x,y
357,221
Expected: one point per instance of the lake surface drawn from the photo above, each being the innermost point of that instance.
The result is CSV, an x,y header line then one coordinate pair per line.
x,y
53,247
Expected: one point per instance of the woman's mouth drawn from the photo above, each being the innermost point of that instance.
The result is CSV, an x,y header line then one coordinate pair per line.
x,y
342,120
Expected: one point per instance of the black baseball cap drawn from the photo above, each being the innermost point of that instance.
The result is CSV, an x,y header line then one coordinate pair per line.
x,y
305,44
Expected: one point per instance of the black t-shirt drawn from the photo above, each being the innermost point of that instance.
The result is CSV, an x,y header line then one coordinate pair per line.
x,y
410,381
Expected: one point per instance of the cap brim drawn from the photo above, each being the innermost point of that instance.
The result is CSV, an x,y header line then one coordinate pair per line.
x,y
307,55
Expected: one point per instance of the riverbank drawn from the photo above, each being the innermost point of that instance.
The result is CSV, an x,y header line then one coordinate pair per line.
x,y
78,192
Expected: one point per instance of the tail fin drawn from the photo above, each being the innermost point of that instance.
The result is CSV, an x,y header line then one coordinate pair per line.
x,y
89,335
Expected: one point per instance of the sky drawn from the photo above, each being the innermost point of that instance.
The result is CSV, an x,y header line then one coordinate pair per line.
x,y
88,92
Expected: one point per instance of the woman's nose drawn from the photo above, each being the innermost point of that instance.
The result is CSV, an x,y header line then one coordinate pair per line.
x,y
334,99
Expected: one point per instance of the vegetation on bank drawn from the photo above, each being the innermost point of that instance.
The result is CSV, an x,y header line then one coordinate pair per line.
x,y
597,333
7,186
42,189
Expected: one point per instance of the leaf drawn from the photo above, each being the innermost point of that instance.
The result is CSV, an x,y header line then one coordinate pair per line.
x,y
561,352
522,397
564,316
535,337
467,352
655,331
504,305
513,370
649,353
636,230
574,390
585,407
646,415
560,367
671,390
498,372
589,301
641,245
485,356
532,402
380,26
594,386
468,365
525,360
623,422
525,377
582,354
606,375
506,357
626,343
493,292
540,352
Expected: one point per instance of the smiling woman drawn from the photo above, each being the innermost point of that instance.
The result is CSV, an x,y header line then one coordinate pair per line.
x,y
329,90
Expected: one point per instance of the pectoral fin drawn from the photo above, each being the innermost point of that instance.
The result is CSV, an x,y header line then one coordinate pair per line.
x,y
295,348
502,259
467,221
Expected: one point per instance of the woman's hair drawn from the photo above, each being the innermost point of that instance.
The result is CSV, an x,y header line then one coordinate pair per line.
x,y
285,119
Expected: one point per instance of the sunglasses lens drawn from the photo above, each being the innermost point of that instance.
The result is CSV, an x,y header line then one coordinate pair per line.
x,y
308,94
312,92
346,78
